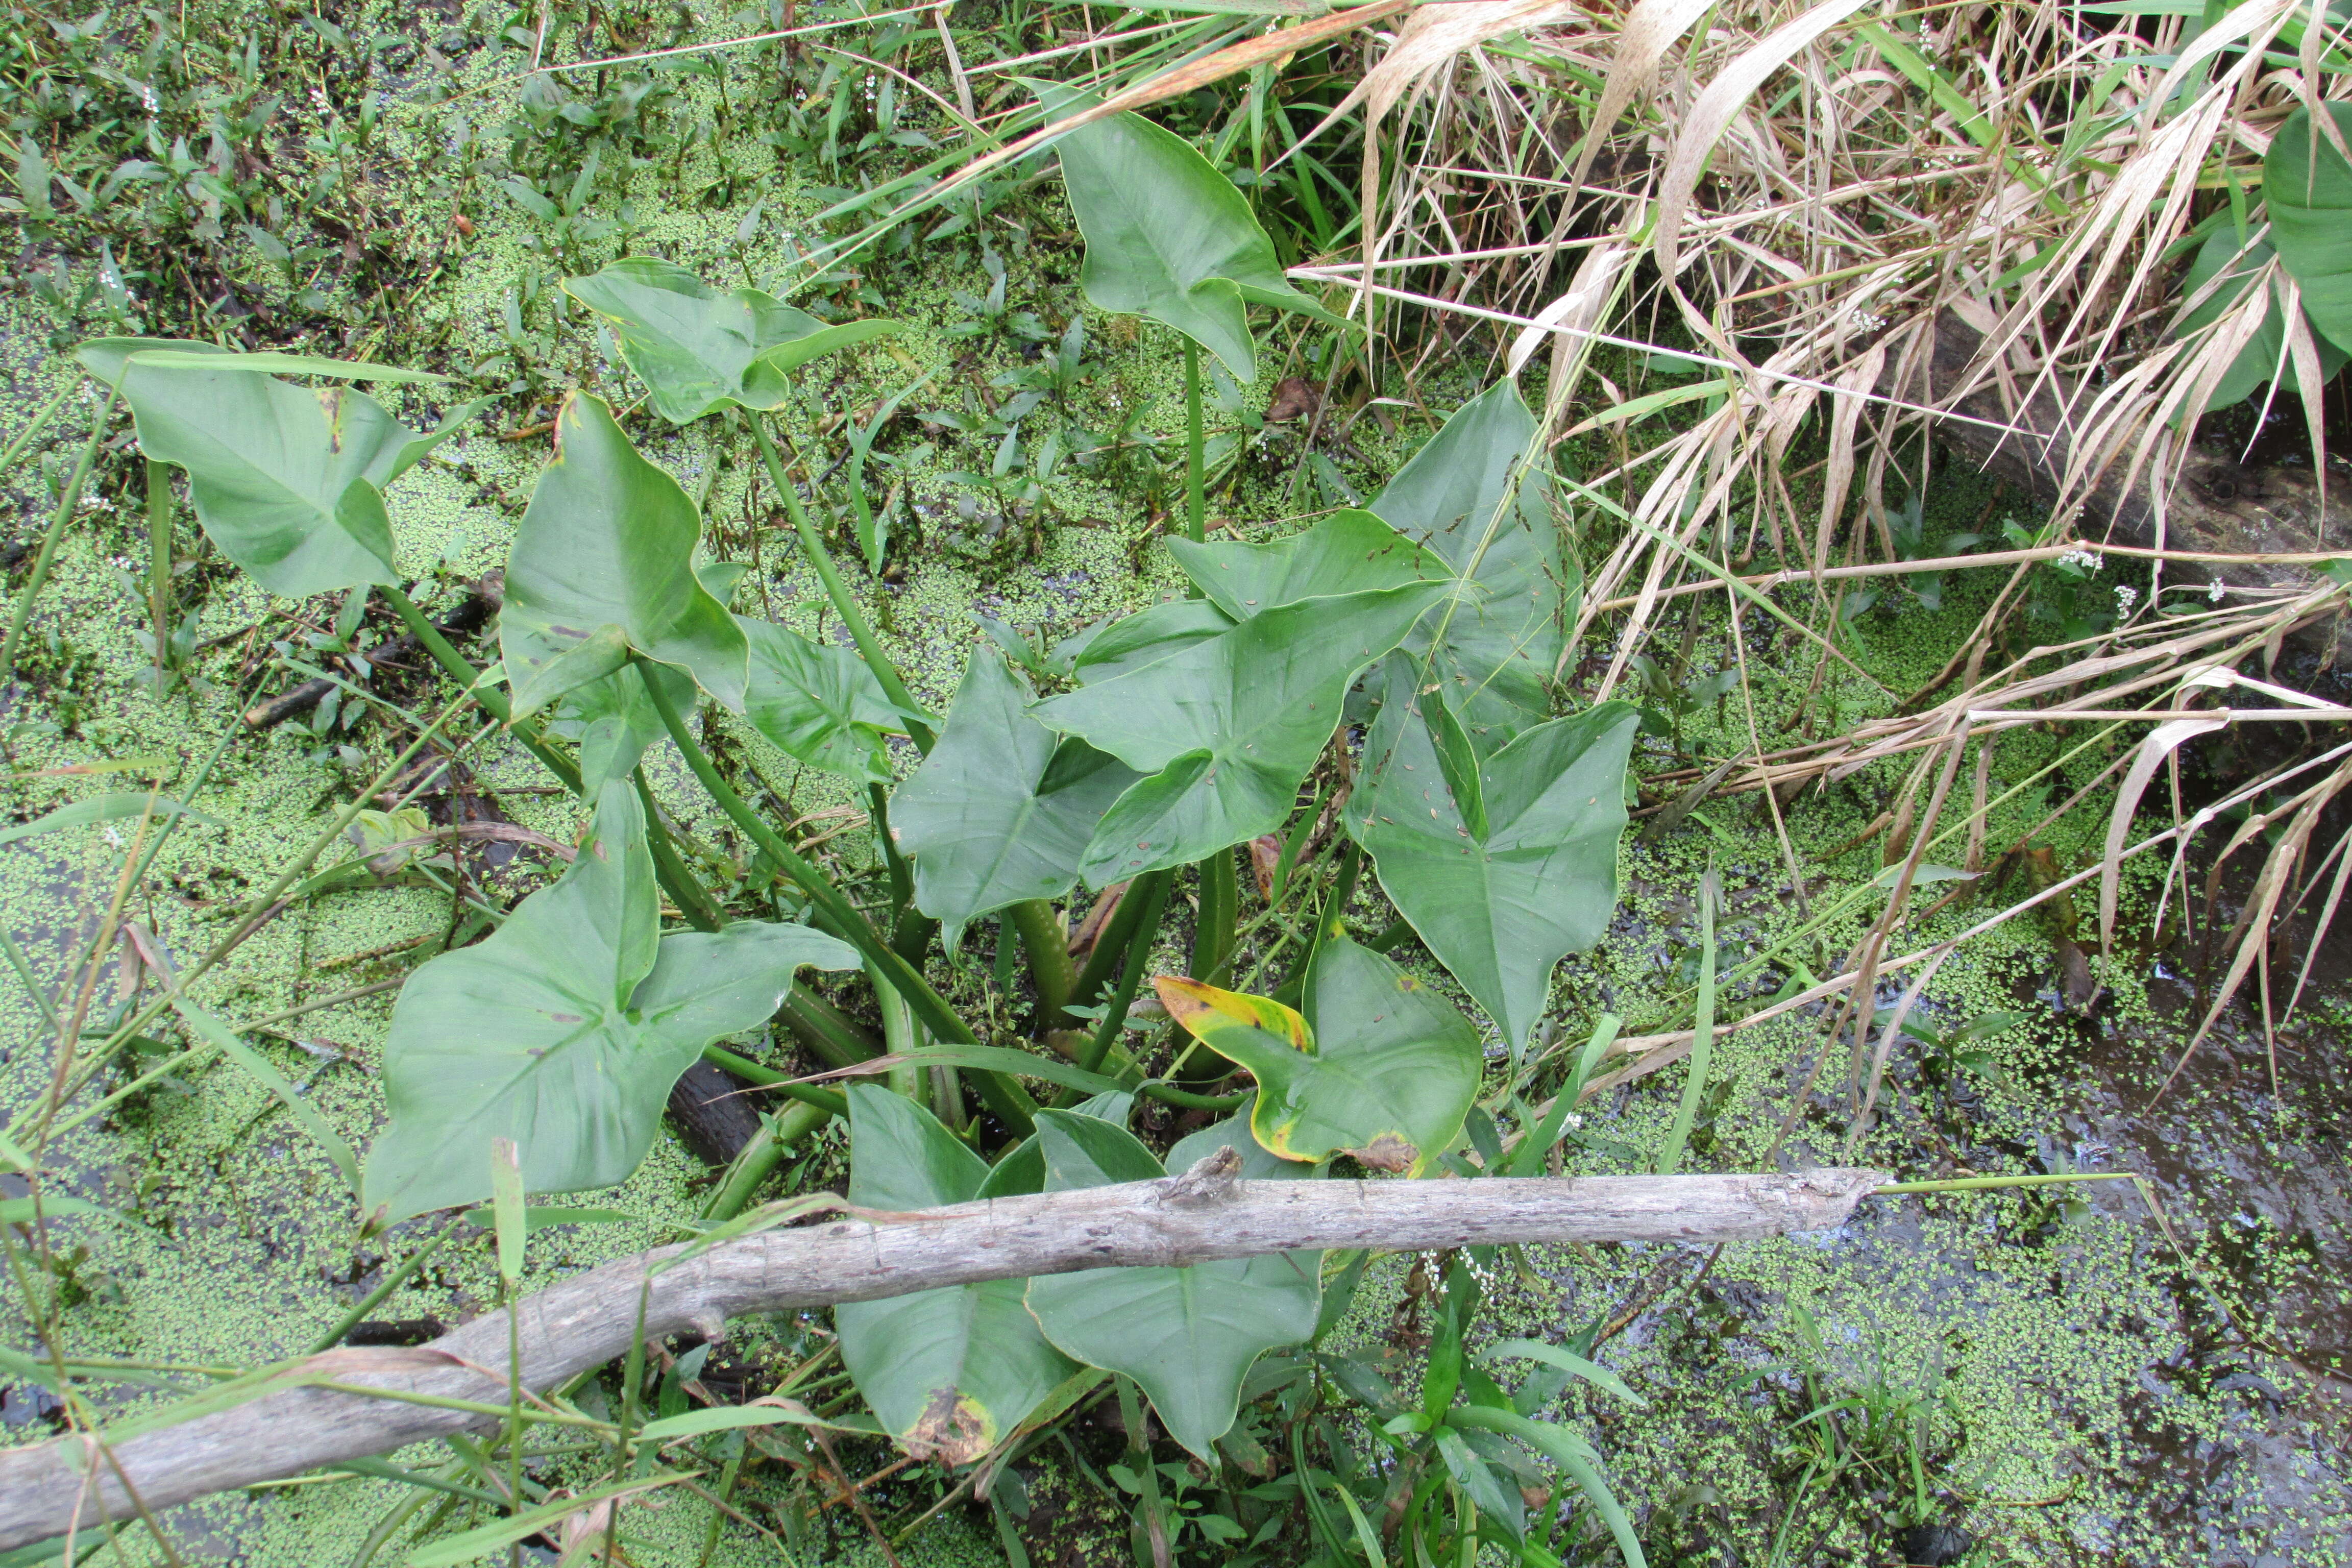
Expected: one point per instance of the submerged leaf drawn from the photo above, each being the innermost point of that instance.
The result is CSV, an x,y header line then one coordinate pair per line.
x,y
949,1372
602,566
1502,866
565,1029
699,349
1002,810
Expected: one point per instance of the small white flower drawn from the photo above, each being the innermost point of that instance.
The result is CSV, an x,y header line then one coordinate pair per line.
x,y
147,98
2127,596
2215,589
2081,559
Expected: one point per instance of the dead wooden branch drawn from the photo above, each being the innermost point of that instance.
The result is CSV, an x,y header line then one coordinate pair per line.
x,y
319,1412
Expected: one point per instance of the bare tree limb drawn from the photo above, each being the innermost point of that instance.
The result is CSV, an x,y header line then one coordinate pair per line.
x,y
294,1424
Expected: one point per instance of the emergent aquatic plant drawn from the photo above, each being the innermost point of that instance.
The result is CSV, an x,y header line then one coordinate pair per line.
x,y
1410,647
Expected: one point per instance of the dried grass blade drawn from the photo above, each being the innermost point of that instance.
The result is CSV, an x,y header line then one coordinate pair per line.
x,y
2159,744
1711,116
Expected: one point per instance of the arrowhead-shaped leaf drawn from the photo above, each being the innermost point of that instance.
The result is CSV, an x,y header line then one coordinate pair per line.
x,y
1186,1335
288,481
1001,809
1144,637
565,1029
603,564
948,1371
1345,552
1503,866
2307,188
698,348
1227,727
1385,1070
1167,237
818,703
1457,496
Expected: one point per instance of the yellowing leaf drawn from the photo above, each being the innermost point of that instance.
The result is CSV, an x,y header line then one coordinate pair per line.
x,y
1208,1012
1389,1083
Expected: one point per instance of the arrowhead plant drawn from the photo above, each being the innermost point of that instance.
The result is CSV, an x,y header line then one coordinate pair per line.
x,y
1406,648
287,481
1171,239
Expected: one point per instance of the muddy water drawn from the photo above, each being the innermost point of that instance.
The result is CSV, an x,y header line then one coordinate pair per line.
x,y
2258,1186
2236,1446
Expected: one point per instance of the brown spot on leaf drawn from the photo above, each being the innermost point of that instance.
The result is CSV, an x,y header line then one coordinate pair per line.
x,y
949,1429
1387,1153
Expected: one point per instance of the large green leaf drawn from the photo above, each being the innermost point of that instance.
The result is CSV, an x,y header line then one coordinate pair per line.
x,y
2262,356
603,564
1345,552
949,1372
1167,237
1022,1168
819,703
565,1029
106,358
1384,1067
1227,727
2307,187
1144,637
1186,1335
288,481
1001,809
1503,865
698,348
1462,495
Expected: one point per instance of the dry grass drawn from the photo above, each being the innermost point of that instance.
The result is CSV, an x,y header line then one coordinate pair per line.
x,y
1795,196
